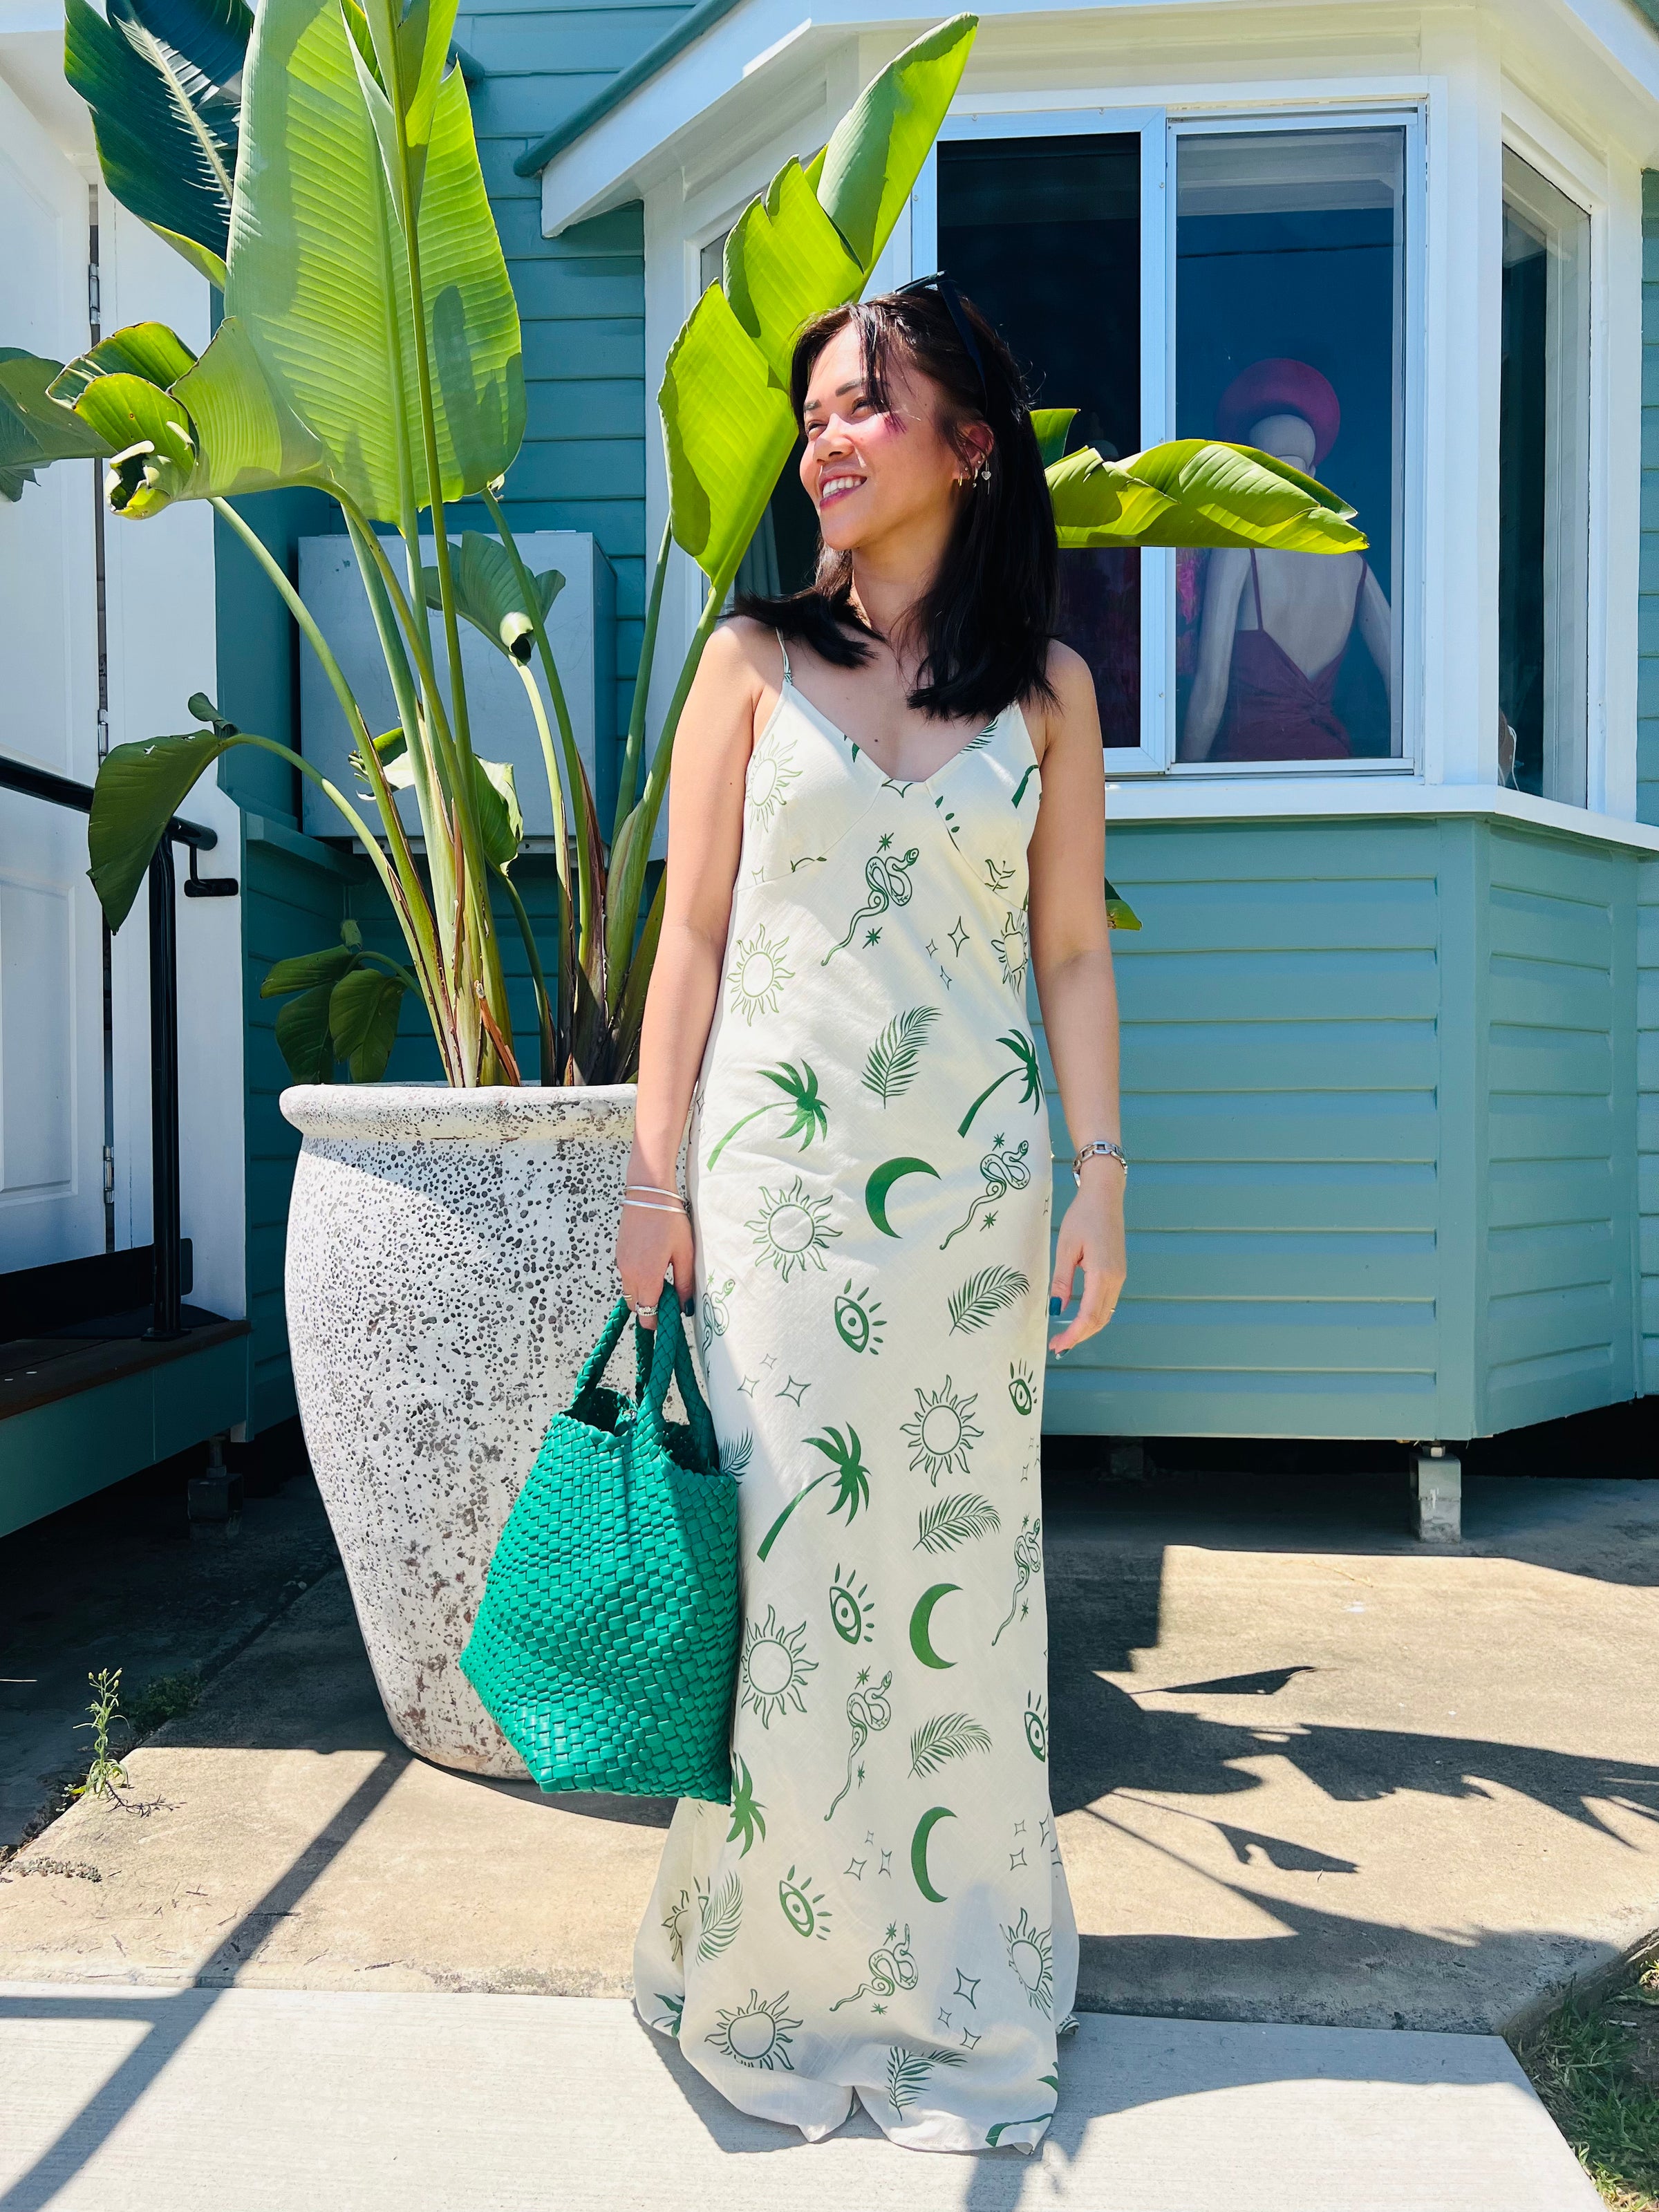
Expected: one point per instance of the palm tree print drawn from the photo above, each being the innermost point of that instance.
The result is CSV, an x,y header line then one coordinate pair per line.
x,y
1026,1067
748,1814
889,883
799,1086
845,1454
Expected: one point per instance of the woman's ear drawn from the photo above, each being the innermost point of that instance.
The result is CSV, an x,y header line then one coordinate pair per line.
x,y
976,442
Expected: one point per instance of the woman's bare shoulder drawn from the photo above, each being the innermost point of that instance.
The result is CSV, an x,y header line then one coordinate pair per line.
x,y
1072,707
743,645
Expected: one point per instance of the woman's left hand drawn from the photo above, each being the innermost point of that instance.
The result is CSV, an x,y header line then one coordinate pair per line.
x,y
1091,1237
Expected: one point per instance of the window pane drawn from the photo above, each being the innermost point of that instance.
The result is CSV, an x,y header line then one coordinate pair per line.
x,y
1543,484
1288,336
1043,235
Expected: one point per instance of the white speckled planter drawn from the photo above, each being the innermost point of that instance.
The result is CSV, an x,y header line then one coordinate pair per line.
x,y
449,1265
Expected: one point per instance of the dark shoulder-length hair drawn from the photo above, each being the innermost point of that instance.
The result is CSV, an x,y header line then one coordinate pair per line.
x,y
985,625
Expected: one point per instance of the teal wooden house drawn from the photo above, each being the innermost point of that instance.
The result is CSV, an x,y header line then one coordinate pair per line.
x,y
1391,1079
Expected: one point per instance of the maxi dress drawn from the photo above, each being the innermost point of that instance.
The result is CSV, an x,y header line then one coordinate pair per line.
x,y
881,1910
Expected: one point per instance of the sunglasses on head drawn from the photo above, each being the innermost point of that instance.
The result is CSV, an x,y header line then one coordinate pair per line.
x,y
941,283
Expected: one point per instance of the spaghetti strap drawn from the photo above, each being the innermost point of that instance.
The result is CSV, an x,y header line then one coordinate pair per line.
x,y
1358,592
787,675
1256,582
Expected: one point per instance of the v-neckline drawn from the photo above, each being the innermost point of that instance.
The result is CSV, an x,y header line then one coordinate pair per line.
x,y
791,689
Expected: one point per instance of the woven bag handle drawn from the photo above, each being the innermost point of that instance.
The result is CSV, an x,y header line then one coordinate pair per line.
x,y
673,1356
598,1359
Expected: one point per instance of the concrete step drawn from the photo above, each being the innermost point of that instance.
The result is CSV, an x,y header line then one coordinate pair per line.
x,y
187,2099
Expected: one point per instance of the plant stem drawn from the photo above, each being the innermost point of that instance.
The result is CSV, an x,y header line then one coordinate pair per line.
x,y
550,1066
402,883
628,783
561,863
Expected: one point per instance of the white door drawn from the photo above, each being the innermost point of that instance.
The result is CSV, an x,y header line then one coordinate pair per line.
x,y
51,1049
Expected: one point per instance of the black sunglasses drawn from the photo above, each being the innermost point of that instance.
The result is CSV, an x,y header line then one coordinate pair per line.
x,y
942,284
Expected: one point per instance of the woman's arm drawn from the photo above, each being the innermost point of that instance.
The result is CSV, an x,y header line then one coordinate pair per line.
x,y
1223,581
1376,627
1071,960
705,836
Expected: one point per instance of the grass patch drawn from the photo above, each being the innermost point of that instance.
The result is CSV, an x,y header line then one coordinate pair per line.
x,y
1596,2065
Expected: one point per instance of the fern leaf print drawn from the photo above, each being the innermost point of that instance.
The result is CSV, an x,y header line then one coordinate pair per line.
x,y
896,1054
871,1890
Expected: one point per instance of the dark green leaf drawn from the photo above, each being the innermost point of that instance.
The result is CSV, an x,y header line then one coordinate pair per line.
x,y
166,124
486,593
1052,426
307,969
35,430
140,787
302,1037
362,1012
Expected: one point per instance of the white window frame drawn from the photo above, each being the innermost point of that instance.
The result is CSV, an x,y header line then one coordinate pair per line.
x,y
1528,131
1159,127
1156,565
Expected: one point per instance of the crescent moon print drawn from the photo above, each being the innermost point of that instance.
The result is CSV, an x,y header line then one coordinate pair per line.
x,y
881,1181
880,1900
924,1827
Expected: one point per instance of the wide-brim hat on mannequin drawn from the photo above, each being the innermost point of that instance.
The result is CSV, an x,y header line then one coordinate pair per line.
x,y
1280,386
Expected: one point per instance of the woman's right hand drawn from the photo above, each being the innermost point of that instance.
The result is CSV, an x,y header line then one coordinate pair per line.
x,y
651,1246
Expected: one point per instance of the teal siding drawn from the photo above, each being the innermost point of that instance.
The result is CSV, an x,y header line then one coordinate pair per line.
x,y
581,297
1560,1037
1383,1183
1647,1117
1647,683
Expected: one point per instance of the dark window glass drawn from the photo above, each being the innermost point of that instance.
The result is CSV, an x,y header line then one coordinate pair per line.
x,y
1289,337
1044,235
1543,480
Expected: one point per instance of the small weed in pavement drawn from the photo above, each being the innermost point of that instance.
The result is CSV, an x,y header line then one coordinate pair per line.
x,y
104,1772
1596,2067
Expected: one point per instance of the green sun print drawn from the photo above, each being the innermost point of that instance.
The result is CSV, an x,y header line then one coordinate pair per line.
x,y
791,1229
757,975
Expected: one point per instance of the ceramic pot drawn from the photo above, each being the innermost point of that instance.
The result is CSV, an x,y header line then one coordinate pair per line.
x,y
449,1267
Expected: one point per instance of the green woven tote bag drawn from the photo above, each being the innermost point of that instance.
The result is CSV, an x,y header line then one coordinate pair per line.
x,y
606,1646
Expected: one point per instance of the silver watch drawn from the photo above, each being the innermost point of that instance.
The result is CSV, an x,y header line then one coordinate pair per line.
x,y
1100,1149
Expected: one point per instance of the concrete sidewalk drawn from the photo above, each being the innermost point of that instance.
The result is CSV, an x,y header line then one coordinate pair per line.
x,y
264,2100
1305,1770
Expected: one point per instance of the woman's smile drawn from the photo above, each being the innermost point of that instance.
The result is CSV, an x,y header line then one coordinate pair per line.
x,y
837,484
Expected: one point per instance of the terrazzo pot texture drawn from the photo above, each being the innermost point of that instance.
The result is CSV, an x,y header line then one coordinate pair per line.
x,y
449,1267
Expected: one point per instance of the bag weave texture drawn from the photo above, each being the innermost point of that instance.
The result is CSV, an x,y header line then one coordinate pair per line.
x,y
606,1644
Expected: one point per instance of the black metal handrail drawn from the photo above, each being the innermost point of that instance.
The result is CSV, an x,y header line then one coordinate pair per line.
x,y
166,1317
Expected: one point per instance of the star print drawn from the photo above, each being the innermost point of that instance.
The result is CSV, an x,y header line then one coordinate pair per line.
x,y
958,935
970,2041
886,1866
749,1385
860,1774
856,1867
1043,1831
944,2017
1016,1859
1025,1610
966,1984
874,2007
996,1142
794,1391
870,1837
770,1360
989,1222
945,978
882,843
933,949
1020,1827
872,936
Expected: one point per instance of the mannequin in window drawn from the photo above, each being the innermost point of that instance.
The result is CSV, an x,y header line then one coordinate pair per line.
x,y
1274,626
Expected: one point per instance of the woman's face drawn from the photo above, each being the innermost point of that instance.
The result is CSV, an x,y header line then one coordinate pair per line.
x,y
871,475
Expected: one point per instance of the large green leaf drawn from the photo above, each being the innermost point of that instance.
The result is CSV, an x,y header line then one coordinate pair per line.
x,y
486,593
35,430
152,437
159,78
1193,491
1052,426
317,276
362,1018
147,349
307,969
808,246
869,169
303,1036
140,787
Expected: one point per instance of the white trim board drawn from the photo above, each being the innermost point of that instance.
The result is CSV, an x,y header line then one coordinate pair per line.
x,y
1340,797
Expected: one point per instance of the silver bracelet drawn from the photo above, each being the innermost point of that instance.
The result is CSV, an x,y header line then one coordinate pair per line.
x,y
651,1205
655,1189
1099,1150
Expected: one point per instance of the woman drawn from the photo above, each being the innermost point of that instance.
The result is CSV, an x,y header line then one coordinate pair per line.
x,y
864,776
1276,626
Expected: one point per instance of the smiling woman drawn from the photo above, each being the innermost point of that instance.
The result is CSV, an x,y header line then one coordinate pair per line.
x,y
886,817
